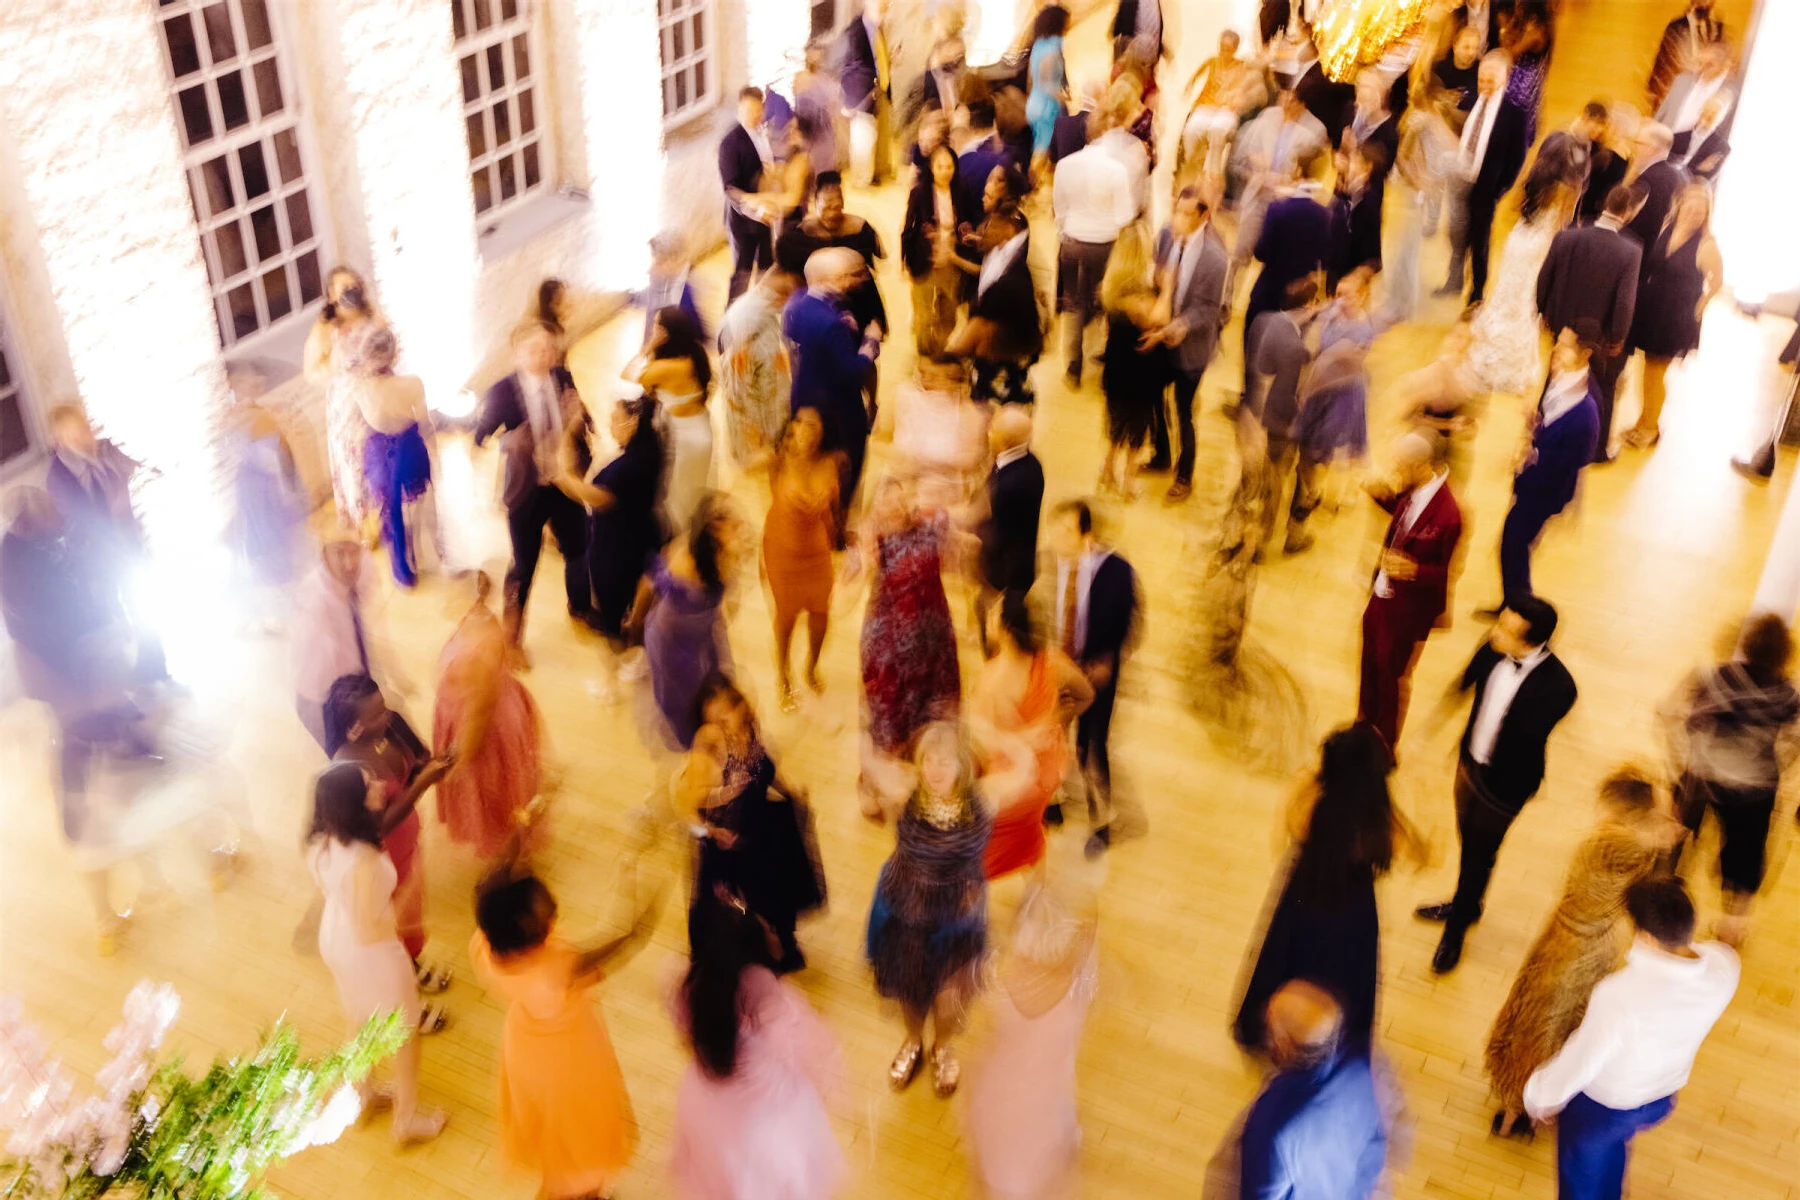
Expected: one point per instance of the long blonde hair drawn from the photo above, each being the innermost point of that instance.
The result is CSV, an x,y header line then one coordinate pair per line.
x,y
1128,270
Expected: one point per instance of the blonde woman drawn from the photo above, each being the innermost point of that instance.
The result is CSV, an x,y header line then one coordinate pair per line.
x,y
337,357
1682,272
1134,368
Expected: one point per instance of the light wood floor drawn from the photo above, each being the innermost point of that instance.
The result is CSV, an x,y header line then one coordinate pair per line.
x,y
1656,560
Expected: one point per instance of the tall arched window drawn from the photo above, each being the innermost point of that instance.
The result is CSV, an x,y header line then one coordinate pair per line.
x,y
690,76
497,52
238,109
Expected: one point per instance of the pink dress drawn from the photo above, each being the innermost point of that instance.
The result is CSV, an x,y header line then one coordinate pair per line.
x,y
761,1134
479,796
1021,1095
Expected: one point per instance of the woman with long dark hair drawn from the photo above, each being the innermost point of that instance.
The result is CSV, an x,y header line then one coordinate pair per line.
x,y
753,830
1505,350
680,607
935,223
358,936
750,1116
675,370
1325,928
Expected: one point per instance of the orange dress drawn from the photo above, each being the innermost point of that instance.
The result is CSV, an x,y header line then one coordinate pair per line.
x,y
479,796
797,544
1018,837
563,1108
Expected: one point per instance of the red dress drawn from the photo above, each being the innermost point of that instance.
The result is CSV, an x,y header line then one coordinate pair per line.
x,y
1018,837
477,800
910,676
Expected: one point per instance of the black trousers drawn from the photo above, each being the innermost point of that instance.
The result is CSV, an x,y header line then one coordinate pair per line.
x,y
1186,387
568,524
1092,730
1481,237
1743,815
1606,369
1079,268
1481,823
752,248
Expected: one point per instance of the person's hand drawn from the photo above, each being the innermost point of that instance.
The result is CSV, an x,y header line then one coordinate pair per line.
x,y
872,332
1399,566
723,838
436,769
1098,674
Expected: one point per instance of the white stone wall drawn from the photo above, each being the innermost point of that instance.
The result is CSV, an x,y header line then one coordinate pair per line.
x,y
100,178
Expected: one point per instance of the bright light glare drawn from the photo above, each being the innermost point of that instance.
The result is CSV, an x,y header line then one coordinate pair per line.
x,y
1758,237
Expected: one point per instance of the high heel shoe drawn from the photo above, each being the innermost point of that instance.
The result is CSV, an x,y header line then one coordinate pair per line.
x,y
1520,1127
905,1066
946,1072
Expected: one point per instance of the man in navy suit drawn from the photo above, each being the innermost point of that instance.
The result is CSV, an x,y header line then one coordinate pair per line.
x,y
863,75
536,409
1411,591
1295,243
744,155
833,360
1490,158
1591,274
1565,430
978,159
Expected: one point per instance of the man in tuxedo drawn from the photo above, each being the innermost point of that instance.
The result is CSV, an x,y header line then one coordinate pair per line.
x,y
1522,691
1591,275
537,409
1564,430
744,155
1411,593
1683,41
1492,152
863,73
1294,244
1275,363
833,360
1015,500
1094,620
1005,331
1192,266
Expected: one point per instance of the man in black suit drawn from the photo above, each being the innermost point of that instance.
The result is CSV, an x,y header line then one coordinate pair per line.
x,y
1005,331
1492,152
1522,690
536,408
744,155
863,73
1584,160
1372,124
1702,150
1093,606
1459,71
1015,500
1660,179
1294,244
1276,363
1590,277
985,151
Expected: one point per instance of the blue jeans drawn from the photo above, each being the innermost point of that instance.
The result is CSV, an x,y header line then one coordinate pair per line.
x,y
1591,1145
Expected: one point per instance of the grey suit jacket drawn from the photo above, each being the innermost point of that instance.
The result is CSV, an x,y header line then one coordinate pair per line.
x,y
1278,360
1199,304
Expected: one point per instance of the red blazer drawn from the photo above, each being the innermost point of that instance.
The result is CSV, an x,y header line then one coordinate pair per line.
x,y
1431,543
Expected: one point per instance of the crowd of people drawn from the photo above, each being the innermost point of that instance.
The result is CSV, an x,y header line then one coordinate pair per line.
x,y
1321,189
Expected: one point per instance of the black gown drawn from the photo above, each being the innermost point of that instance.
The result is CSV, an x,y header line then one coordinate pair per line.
x,y
1133,381
773,865
1664,324
623,536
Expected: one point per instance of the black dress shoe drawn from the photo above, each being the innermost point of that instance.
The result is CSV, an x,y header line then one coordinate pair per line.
x,y
1521,1127
1098,842
1433,912
1751,470
1449,951
1053,815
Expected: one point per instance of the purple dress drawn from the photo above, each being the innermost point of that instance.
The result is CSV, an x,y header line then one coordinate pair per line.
x,y
684,642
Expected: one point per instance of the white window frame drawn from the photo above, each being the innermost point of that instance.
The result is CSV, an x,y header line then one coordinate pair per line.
x,y
229,144
502,34
18,389
675,20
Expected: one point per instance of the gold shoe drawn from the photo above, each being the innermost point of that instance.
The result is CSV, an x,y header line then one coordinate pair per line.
x,y
946,1072
906,1065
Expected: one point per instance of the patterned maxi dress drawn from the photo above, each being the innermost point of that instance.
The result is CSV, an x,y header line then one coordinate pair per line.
x,y
910,676
1584,941
1504,353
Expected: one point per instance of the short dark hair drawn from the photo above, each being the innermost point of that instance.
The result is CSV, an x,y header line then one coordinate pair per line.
x,y
1596,110
1623,198
514,915
750,93
1191,192
1587,334
1017,621
1300,293
1629,788
1539,617
826,179
341,807
1052,21
1661,907
1084,516
1767,647
981,111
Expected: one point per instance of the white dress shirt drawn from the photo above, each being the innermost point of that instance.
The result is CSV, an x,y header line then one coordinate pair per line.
x,y
760,140
1693,103
1477,132
1416,501
543,411
1010,456
1084,568
1124,145
1566,390
998,260
1643,1026
1092,196
1496,699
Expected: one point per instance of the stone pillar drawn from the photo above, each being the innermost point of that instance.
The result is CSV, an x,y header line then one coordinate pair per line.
x,y
775,33
401,93
621,112
86,102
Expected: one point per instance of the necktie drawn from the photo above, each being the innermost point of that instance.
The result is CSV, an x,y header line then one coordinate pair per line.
x,y
881,59
1071,613
1471,148
356,626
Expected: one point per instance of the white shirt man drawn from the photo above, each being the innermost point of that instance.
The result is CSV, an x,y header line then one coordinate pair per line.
x,y
1479,129
1124,146
1092,196
1502,688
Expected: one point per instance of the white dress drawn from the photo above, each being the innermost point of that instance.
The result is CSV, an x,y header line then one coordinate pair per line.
x,y
1504,354
689,474
372,977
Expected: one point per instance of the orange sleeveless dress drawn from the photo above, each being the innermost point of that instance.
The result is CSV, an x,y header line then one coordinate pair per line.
x,y
1018,837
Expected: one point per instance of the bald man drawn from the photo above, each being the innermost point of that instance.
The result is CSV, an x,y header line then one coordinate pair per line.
x,y
1410,594
1316,1131
833,361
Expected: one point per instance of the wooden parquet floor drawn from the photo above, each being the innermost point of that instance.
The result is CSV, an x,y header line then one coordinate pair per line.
x,y
1653,564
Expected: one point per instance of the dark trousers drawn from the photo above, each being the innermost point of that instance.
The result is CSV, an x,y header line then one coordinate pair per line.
x,y
1481,236
1391,641
568,524
1593,1141
1743,815
1481,825
1186,386
1606,369
1525,520
1079,268
752,249
1092,729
